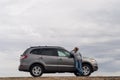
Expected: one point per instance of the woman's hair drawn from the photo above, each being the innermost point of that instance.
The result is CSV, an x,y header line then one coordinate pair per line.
x,y
76,49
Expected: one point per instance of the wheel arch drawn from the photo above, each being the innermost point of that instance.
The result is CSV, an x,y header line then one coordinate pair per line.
x,y
36,63
87,63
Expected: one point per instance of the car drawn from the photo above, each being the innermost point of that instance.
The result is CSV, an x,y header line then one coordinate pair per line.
x,y
53,59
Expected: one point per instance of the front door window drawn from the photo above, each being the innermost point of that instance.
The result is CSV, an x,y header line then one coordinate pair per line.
x,y
65,62
63,53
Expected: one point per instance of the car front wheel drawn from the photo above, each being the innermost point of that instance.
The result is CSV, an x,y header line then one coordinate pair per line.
x,y
36,70
86,70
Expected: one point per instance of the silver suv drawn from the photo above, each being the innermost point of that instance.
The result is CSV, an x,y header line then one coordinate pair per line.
x,y
51,59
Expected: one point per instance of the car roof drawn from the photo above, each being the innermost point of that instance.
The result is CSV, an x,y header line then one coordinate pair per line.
x,y
58,47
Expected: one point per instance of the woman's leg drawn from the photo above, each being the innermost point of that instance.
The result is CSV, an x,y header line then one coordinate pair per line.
x,y
80,67
76,65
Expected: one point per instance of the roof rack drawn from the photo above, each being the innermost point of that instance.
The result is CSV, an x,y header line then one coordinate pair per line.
x,y
47,46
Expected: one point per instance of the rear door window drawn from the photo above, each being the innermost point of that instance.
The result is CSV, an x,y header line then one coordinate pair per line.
x,y
49,52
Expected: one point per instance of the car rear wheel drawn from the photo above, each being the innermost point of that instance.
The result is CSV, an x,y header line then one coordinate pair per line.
x,y
36,70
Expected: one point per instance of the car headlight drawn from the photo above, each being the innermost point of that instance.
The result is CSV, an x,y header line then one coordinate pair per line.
x,y
92,60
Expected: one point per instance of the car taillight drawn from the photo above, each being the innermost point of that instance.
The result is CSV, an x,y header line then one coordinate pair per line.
x,y
23,56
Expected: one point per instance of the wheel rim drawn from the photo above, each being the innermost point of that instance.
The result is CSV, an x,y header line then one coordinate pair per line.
x,y
36,70
86,70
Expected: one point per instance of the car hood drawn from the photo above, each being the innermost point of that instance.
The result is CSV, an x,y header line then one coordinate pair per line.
x,y
88,59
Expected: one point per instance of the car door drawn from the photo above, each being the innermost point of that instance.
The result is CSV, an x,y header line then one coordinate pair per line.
x,y
65,61
50,58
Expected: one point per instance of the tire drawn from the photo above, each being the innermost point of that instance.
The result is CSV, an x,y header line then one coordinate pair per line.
x,y
36,70
77,74
87,69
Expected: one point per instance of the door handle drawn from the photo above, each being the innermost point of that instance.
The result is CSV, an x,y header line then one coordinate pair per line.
x,y
40,57
60,59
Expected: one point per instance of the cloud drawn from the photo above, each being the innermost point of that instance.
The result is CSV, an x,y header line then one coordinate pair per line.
x,y
92,25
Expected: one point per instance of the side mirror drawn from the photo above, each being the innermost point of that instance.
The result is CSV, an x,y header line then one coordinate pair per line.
x,y
71,56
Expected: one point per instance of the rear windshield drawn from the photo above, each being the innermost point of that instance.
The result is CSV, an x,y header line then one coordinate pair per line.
x,y
26,51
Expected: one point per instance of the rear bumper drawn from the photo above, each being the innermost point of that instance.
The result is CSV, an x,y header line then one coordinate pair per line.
x,y
23,68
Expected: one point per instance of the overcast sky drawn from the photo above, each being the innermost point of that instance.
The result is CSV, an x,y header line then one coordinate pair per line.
x,y
92,25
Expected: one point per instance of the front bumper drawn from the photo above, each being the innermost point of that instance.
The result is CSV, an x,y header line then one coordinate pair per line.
x,y
95,68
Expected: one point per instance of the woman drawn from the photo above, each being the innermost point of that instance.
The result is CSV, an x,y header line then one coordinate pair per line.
x,y
78,60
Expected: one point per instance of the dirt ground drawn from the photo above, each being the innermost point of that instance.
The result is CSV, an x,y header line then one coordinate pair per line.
x,y
62,78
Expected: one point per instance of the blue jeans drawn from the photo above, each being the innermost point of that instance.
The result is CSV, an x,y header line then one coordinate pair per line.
x,y
78,66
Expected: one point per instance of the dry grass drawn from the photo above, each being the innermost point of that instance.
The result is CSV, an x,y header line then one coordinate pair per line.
x,y
62,78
